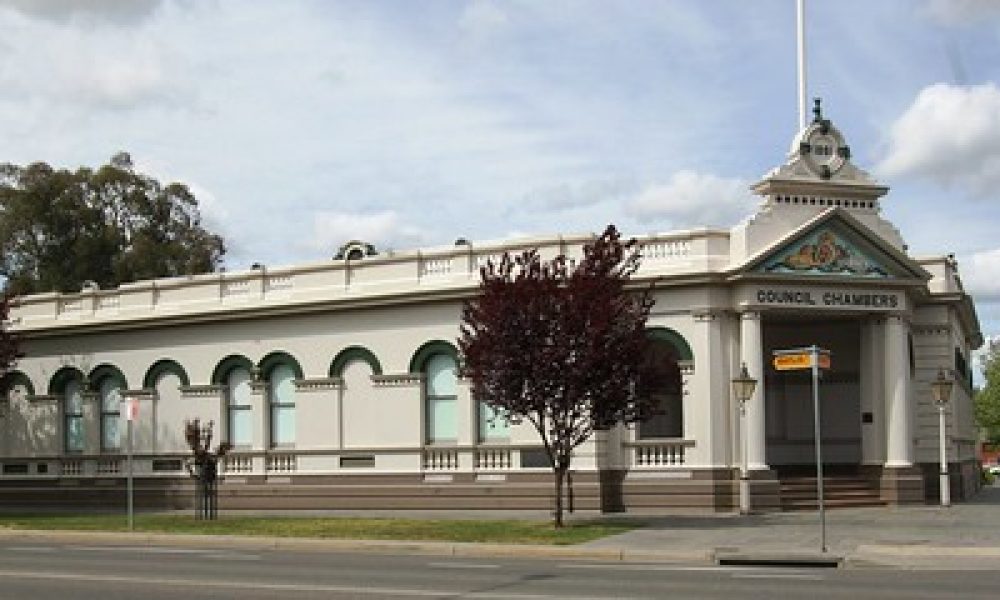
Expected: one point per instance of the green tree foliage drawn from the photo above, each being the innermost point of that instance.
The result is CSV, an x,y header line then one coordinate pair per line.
x,y
988,398
561,345
61,228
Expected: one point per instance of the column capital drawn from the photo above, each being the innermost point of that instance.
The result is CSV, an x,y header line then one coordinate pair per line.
x,y
750,315
704,316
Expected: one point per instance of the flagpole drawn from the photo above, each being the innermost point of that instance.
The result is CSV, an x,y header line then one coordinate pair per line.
x,y
801,43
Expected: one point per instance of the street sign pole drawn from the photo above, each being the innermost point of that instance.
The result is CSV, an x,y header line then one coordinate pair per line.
x,y
131,518
814,358
819,452
131,411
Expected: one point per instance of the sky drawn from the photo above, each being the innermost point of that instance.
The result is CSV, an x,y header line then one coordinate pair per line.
x,y
301,125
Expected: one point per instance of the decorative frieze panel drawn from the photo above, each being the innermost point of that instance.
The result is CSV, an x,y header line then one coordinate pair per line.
x,y
436,266
398,380
200,391
319,384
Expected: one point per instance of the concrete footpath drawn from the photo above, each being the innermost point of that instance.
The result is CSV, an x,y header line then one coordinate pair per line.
x,y
964,536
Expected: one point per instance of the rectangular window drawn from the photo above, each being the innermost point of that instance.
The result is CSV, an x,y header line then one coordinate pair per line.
x,y
74,432
110,392
109,431
239,408
442,419
73,417
281,396
283,425
492,424
240,425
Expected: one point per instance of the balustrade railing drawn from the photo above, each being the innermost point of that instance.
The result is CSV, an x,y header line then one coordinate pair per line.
x,y
440,459
487,459
281,463
234,464
664,453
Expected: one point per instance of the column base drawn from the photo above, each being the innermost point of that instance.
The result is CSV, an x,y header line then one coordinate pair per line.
x,y
764,488
902,485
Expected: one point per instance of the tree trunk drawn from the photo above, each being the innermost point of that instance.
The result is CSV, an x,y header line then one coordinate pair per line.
x,y
557,514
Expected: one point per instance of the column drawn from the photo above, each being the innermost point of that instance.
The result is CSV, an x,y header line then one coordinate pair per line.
x,y
899,429
752,355
708,421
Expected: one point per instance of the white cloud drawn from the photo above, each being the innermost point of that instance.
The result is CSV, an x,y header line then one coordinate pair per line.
x,y
112,11
949,136
981,275
960,12
578,195
692,199
80,68
481,20
385,229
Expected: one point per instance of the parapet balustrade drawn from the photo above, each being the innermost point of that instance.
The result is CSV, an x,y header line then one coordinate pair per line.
x,y
386,274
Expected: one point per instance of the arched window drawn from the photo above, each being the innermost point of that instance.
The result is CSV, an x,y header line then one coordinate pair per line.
x,y
110,390
238,408
281,398
73,415
441,392
663,387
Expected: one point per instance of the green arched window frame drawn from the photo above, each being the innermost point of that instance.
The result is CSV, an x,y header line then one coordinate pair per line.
x,y
110,404
280,396
272,360
57,384
429,349
353,353
72,412
668,335
104,371
228,364
14,379
163,367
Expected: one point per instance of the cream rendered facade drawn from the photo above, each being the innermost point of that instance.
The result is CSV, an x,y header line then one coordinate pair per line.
x,y
815,264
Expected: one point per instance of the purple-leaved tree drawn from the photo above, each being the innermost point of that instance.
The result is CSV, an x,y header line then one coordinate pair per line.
x,y
560,344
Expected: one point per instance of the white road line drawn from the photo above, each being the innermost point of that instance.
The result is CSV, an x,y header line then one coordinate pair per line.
x,y
232,556
652,567
277,587
461,565
205,553
143,549
29,548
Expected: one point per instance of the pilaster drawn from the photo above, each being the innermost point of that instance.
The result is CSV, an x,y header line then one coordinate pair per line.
x,y
751,354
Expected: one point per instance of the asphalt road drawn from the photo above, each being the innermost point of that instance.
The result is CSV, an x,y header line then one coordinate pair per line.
x,y
43,571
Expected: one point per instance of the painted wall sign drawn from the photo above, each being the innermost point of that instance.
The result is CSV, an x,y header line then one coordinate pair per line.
x,y
823,298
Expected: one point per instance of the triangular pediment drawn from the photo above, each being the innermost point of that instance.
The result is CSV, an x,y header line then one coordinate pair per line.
x,y
834,245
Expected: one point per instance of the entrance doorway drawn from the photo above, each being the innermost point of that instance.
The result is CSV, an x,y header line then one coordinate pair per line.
x,y
788,394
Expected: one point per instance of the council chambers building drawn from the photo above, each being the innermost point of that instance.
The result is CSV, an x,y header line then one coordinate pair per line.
x,y
338,385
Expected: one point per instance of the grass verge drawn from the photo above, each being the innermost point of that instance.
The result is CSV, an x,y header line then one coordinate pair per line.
x,y
498,531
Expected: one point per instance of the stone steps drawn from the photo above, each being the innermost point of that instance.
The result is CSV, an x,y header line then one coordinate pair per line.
x,y
839,491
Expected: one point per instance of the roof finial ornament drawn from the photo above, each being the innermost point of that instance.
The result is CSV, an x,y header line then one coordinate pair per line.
x,y
817,110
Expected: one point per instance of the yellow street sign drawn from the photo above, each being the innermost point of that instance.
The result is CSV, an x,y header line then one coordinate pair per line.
x,y
799,360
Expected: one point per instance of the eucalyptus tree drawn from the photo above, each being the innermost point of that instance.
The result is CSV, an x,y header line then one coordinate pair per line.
x,y
60,229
